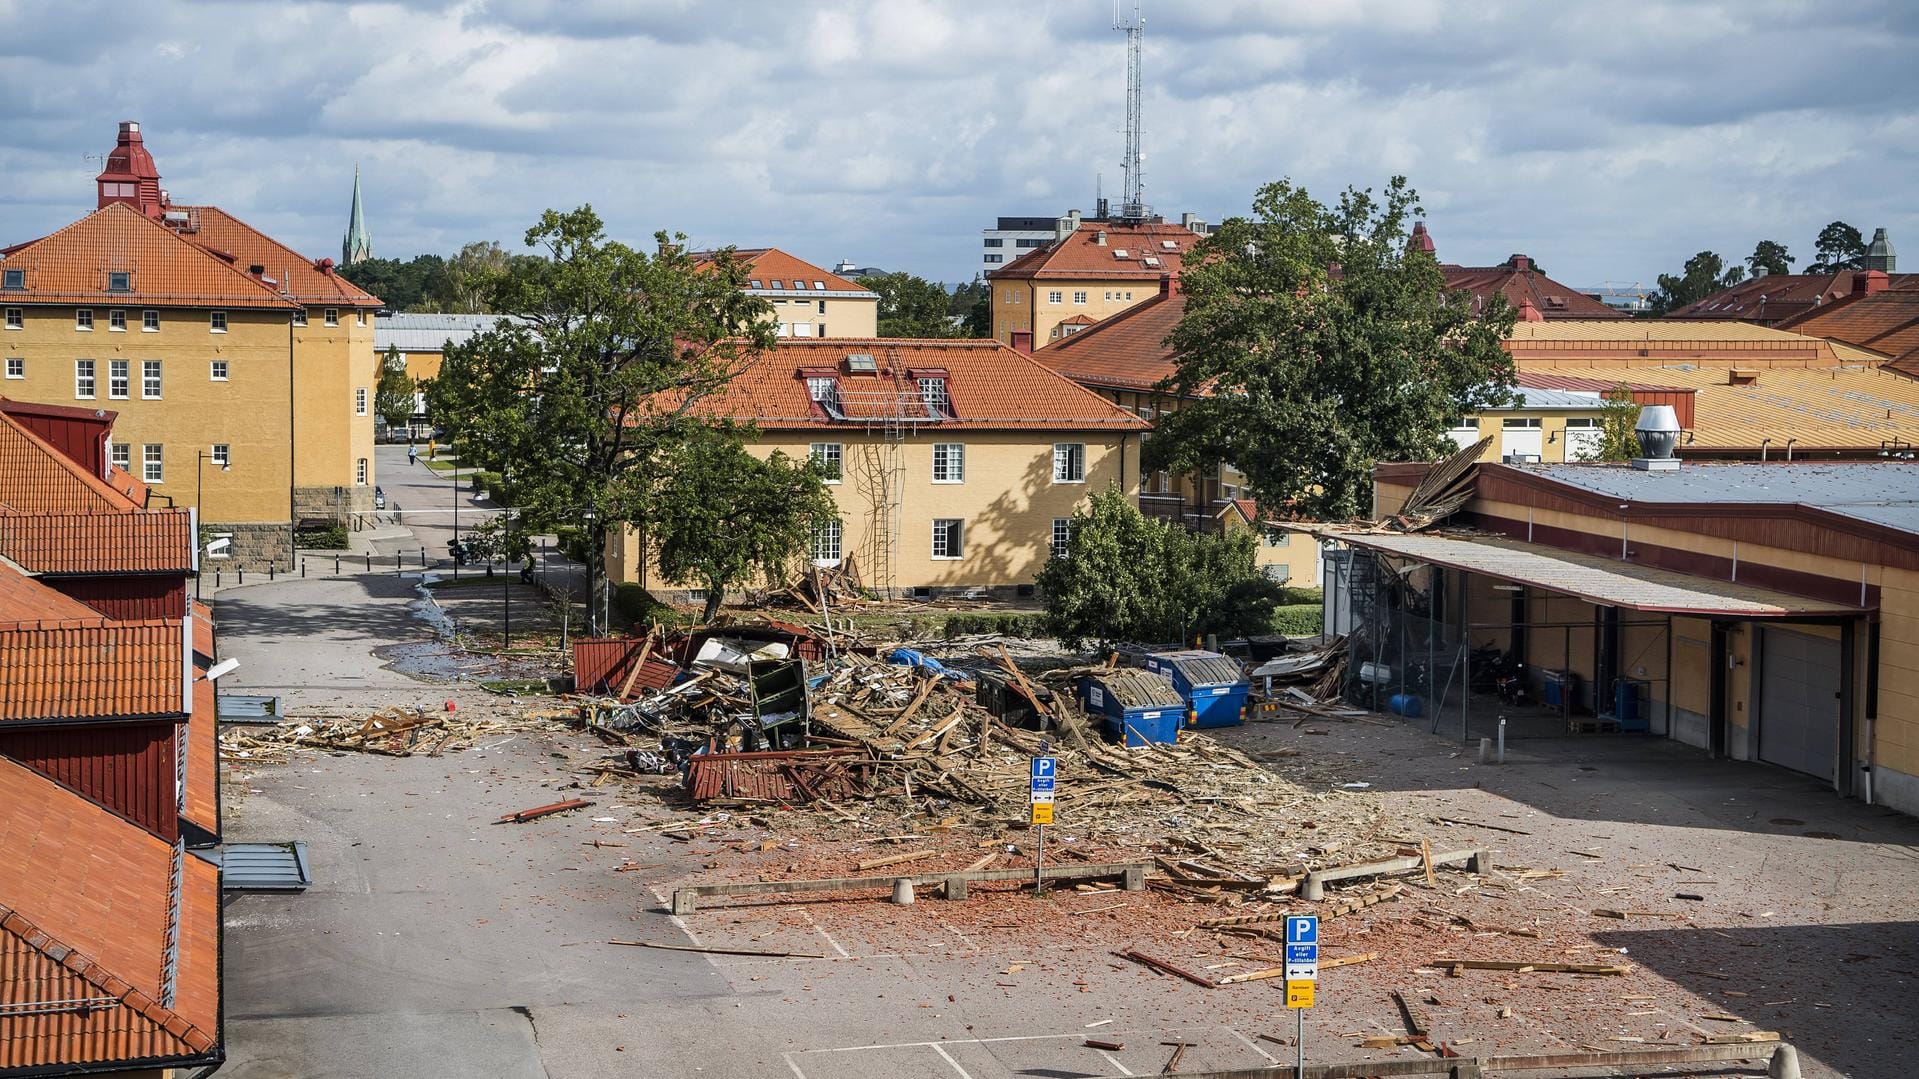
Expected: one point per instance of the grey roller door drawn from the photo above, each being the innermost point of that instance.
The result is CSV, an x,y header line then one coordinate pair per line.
x,y
1799,702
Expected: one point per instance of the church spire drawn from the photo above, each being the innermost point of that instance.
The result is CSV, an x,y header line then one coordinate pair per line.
x,y
358,244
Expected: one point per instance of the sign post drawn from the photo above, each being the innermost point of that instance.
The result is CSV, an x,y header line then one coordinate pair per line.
x,y
1044,769
1302,976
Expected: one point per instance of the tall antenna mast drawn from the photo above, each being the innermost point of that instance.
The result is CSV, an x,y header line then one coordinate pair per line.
x,y
1132,205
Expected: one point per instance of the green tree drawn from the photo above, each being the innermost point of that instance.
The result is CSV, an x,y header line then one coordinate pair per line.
x,y
1839,247
1771,256
973,301
1126,577
587,395
402,286
463,287
1616,439
725,516
393,395
1705,274
910,306
1315,343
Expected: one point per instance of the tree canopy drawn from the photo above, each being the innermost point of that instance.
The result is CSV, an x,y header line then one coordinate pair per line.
x,y
1704,274
1315,343
1839,247
911,306
1770,256
1617,440
402,286
585,398
393,394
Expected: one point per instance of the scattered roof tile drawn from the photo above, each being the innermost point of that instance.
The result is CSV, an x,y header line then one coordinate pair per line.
x,y
72,266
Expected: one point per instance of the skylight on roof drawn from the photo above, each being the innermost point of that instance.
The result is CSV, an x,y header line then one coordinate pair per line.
x,y
755,283
821,285
1169,245
862,363
1120,253
776,283
1150,260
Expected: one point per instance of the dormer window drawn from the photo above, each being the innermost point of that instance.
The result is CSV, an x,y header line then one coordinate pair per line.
x,y
933,392
14,280
119,281
824,390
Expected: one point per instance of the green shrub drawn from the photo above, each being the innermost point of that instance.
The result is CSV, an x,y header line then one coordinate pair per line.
x,y
571,541
639,608
1299,619
1293,596
1006,625
331,538
484,480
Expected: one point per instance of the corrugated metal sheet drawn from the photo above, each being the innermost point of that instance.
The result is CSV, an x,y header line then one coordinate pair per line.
x,y
127,767
794,776
264,867
1205,668
600,665
1135,688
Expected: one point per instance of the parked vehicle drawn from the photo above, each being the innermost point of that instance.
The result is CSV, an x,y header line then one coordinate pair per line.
x,y
379,498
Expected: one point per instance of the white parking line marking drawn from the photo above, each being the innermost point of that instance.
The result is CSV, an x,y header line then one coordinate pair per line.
x,y
788,1057
948,1058
1270,1058
1114,1061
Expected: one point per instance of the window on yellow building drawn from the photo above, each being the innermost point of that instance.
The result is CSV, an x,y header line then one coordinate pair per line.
x,y
153,467
83,384
150,379
83,319
1054,296
949,538
359,400
118,382
1079,298
217,321
949,462
826,543
330,316
359,472
15,318
16,367
830,456
1069,462
117,321
121,455
219,370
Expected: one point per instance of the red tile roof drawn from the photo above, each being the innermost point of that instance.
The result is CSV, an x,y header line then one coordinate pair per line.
x,y
243,246
85,915
1886,322
1520,283
990,388
37,478
68,668
1775,298
1126,351
1547,380
23,599
770,264
71,267
130,541
201,741
1101,250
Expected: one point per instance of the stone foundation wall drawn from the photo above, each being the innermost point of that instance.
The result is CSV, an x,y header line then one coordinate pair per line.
x,y
331,503
254,547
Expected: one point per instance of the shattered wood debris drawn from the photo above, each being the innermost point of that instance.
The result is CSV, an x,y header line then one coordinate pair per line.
x,y
392,732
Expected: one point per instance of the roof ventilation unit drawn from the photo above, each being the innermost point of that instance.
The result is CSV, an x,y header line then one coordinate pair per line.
x,y
1658,435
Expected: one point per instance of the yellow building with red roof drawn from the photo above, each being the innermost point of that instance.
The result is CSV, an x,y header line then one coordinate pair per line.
x,y
1091,269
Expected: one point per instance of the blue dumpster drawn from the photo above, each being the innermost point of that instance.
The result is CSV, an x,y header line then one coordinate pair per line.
x,y
1138,707
1214,686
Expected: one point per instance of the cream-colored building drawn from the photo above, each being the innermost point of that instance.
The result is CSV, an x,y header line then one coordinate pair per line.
x,y
242,373
1090,271
807,301
960,462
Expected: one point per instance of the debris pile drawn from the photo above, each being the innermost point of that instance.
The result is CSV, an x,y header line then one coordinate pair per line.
x,y
390,732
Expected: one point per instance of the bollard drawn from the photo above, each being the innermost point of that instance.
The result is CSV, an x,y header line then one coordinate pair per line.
x,y
243,575
216,580
336,564
1502,740
423,558
903,892
956,887
396,564
303,567
1784,1064
271,567
1485,751
369,561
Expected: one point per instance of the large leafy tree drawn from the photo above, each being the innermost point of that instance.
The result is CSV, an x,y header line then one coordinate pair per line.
x,y
1770,256
1617,440
587,394
1704,274
1316,343
393,394
974,302
910,306
725,516
402,286
1839,247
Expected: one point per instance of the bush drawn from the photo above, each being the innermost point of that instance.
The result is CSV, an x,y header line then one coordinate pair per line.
x,y
639,608
1006,625
484,480
331,538
1299,619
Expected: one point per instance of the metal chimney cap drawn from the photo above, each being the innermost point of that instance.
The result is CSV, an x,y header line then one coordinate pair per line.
x,y
1657,418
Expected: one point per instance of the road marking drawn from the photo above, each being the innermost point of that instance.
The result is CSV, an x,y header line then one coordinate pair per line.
x,y
948,1058
1114,1061
1270,1058
788,1057
844,954
991,1041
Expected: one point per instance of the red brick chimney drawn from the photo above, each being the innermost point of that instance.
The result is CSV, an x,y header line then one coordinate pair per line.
x,y
1023,342
131,176
1867,282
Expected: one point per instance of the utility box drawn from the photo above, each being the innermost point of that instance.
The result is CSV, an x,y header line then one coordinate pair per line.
x,y
1135,707
1214,686
1007,701
1629,704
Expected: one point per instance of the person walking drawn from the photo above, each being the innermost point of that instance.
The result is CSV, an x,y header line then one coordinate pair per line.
x,y
412,454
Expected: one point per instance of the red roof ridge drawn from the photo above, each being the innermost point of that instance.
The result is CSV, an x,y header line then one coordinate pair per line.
x,y
350,293
125,208
85,967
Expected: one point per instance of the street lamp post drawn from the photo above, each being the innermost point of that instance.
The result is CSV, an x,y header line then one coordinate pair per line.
x,y
592,615
455,473
506,579
199,509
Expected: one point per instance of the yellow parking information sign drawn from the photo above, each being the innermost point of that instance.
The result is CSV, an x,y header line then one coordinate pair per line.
x,y
1299,994
1042,812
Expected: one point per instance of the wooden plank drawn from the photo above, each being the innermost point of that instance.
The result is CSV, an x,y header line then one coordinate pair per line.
x,y
896,859
717,951
645,652
1162,965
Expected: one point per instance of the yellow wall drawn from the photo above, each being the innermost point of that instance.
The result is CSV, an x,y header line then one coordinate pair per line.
x,y
422,367
1022,304
1552,426
840,317
248,411
330,435
1007,503
1295,553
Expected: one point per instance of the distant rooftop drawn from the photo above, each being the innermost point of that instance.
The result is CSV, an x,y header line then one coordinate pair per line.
x,y
1884,493
426,331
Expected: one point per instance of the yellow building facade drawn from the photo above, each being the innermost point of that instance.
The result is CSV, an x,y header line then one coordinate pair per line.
x,y
1091,270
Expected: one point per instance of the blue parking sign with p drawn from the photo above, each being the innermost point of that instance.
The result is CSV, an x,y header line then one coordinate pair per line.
x,y
1302,929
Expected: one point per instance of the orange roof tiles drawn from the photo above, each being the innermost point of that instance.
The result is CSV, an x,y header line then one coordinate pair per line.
x,y
1518,281
770,264
243,246
1773,299
71,266
74,668
131,541
1126,351
23,599
37,478
1099,250
1886,322
990,387
84,916
202,746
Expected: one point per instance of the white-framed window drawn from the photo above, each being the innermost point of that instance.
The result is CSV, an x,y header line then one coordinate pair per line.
x,y
150,379
16,367
802,329
226,549
826,543
16,319
83,319
949,462
933,392
220,454
121,455
949,538
776,285
1054,296
1129,294
1069,462
217,321
13,279
153,467
831,457
149,322
1277,537
993,258
119,281
1062,536
825,390
1520,424
219,370
83,385
117,320
360,472
300,317
822,304
330,316
119,384
359,316
1079,297
819,286
359,400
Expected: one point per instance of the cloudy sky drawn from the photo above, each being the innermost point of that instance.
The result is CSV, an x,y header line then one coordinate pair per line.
x,y
1608,140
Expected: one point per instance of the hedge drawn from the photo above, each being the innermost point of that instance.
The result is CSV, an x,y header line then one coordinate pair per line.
x,y
331,538
1299,619
639,608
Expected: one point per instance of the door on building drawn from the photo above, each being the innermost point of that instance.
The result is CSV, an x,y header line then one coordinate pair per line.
x,y
1584,439
1523,439
1798,707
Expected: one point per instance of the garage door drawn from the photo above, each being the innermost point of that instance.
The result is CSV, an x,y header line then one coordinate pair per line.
x,y
1799,702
